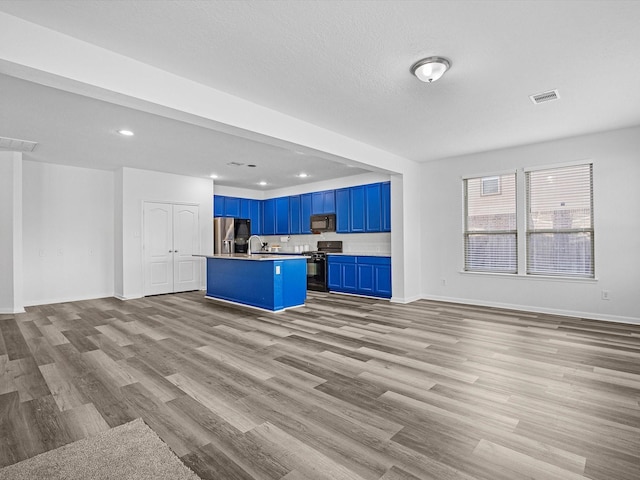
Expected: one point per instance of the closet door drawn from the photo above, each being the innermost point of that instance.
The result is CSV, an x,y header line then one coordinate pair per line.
x,y
171,237
186,268
158,248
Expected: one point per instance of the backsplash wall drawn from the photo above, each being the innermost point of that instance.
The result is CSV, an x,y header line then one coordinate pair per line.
x,y
356,243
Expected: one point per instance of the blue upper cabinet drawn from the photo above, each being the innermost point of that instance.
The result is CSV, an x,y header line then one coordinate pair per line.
x,y
255,215
342,210
329,201
323,202
373,208
245,208
282,216
364,208
295,223
386,206
269,217
218,206
232,207
305,211
317,205
357,209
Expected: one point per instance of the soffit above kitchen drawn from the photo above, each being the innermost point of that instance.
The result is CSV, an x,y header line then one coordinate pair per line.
x,y
345,66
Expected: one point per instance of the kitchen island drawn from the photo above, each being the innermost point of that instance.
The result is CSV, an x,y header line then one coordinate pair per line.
x,y
269,282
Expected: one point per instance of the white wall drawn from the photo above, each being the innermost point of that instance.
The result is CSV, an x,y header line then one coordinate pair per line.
x,y
138,186
616,159
11,232
333,184
68,233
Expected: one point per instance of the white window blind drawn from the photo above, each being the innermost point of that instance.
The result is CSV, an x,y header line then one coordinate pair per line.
x,y
560,221
490,224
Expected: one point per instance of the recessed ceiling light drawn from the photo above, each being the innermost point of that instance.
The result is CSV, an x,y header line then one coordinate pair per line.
x,y
126,133
263,183
303,175
213,175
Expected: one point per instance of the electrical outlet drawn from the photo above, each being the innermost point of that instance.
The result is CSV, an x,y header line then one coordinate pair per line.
x,y
443,281
605,295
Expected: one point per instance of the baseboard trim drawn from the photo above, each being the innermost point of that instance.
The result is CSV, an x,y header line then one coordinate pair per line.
x,y
51,301
373,297
530,309
124,299
405,300
11,311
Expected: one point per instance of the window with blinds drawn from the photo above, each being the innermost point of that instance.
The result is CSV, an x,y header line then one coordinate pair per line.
x,y
490,238
560,221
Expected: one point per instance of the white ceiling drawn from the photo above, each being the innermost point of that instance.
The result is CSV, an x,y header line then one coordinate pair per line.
x,y
343,66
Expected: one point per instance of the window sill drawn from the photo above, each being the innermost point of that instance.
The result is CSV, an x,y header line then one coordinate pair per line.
x,y
544,278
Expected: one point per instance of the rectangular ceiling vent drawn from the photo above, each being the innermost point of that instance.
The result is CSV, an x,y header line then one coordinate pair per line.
x,y
545,96
235,164
16,145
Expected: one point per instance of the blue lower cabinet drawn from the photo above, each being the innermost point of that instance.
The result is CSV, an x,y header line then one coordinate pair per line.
x,y
361,275
365,279
382,280
269,284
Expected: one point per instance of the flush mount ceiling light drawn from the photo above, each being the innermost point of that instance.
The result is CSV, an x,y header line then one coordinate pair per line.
x,y
430,69
262,183
126,133
303,175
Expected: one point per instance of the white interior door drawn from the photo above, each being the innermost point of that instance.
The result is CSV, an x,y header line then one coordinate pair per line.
x,y
186,268
158,248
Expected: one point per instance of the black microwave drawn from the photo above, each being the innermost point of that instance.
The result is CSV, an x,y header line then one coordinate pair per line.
x,y
323,223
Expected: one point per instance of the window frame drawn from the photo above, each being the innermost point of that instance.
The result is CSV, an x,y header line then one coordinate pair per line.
x,y
466,233
528,232
522,224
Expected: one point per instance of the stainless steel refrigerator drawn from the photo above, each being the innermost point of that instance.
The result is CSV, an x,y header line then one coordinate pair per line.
x,y
230,235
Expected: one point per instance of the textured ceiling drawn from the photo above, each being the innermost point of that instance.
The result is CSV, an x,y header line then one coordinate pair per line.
x,y
344,65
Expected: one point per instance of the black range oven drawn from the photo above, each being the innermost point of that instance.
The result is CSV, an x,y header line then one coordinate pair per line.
x,y
317,265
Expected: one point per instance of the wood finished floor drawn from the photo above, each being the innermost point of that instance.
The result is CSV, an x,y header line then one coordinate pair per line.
x,y
344,388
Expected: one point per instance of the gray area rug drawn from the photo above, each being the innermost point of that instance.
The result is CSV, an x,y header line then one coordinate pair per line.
x,y
130,451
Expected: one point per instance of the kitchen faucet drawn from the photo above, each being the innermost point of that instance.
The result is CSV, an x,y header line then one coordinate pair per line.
x,y
249,243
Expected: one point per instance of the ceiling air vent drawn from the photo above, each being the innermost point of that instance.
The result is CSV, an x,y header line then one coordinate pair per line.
x,y
17,145
545,96
235,164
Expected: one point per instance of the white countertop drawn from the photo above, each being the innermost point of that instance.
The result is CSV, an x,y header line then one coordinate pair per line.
x,y
254,256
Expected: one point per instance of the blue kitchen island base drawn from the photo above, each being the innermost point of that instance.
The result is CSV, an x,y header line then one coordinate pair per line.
x,y
269,282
